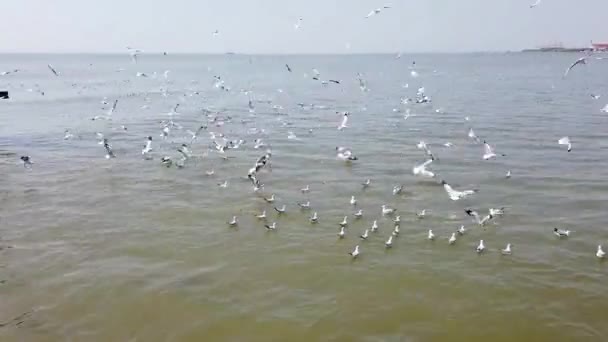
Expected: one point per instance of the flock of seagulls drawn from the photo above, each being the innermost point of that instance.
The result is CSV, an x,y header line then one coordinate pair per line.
x,y
223,146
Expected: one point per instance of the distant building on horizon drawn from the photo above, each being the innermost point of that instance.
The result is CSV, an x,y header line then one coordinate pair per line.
x,y
599,46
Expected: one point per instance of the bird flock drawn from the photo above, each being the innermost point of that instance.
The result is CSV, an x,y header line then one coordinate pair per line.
x,y
260,173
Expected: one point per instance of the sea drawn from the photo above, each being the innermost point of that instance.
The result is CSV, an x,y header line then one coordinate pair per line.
x,y
128,249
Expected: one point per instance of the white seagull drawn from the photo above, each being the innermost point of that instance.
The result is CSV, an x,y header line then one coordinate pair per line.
x,y
431,235
233,222
600,252
396,230
452,239
314,218
565,141
344,121
365,234
273,226
355,253
480,221
580,61
506,250
481,247
344,222
560,233
342,233
148,147
536,3
456,195
420,170
376,11
374,226
261,216
389,242
353,201
387,211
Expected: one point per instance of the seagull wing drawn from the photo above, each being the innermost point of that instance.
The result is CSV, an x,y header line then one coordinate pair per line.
x,y
581,60
487,149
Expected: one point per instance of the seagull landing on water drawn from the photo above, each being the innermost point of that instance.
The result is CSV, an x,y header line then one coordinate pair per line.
x,y
355,253
456,195
481,247
565,141
420,170
480,221
488,151
345,154
506,250
561,233
600,252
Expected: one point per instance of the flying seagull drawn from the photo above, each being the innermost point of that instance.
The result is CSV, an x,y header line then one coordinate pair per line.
x,y
535,3
456,195
53,70
565,141
580,61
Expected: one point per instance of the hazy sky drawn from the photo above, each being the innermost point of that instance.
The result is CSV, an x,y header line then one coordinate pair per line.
x,y
267,26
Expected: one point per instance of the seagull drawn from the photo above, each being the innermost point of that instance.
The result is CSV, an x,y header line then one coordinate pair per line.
x,y
396,230
234,222
68,135
269,199
397,220
288,68
27,161
452,239
359,214
109,152
423,146
134,53
53,70
273,226
345,154
216,33
374,226
344,222
448,144
535,3
389,242
600,252
473,136
376,11
456,195
342,233
344,121
305,189
148,147
421,214
461,230
224,184
580,61
280,210
210,172
261,216
506,250
304,206
355,253
508,175
166,161
431,236
397,189
353,201
565,141
605,109
488,151
595,97
420,170
497,212
366,183
365,234
481,247
387,211
297,25
480,221
314,218
560,233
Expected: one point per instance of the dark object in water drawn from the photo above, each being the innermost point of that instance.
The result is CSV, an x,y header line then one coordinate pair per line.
x,y
4,95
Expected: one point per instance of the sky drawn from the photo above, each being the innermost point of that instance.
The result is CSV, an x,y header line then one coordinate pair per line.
x,y
267,26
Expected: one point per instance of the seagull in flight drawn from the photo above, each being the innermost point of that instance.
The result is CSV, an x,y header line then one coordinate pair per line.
x,y
288,67
376,11
420,170
297,25
480,221
473,136
53,70
488,151
456,195
345,154
134,53
344,121
580,61
536,3
565,141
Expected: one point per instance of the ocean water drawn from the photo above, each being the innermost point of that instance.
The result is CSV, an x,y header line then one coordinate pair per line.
x,y
125,249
